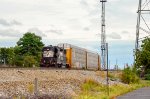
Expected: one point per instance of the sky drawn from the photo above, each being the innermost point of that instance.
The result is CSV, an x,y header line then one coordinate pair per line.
x,y
77,22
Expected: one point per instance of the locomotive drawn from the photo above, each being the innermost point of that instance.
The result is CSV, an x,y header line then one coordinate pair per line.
x,y
53,56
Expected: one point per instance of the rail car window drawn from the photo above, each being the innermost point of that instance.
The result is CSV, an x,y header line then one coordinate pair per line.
x,y
48,54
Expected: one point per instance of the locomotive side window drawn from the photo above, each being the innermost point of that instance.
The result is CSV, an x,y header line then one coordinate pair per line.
x,y
48,54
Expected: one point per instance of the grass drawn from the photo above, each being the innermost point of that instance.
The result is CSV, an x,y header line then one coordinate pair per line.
x,y
93,90
30,88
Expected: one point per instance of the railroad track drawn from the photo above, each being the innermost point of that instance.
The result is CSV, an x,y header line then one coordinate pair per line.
x,y
32,68
47,68
40,68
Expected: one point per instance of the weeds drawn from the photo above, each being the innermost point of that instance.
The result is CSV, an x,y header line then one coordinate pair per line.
x,y
129,76
93,90
30,88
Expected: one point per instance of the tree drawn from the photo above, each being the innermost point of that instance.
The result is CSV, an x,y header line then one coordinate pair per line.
x,y
26,54
28,50
143,55
7,56
3,55
30,44
10,56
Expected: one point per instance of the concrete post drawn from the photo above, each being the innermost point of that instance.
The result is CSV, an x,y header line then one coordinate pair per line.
x,y
35,86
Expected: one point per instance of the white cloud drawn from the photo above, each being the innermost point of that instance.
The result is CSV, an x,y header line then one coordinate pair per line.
x,y
73,18
125,32
86,28
55,31
37,32
14,22
114,36
10,33
4,22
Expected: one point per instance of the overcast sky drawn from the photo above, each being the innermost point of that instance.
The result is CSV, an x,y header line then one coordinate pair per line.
x,y
73,21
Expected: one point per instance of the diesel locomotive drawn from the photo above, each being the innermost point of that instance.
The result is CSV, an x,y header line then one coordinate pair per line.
x,y
53,56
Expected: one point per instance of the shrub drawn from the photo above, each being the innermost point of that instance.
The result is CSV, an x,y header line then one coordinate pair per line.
x,y
112,77
129,76
147,71
29,61
18,60
147,76
19,63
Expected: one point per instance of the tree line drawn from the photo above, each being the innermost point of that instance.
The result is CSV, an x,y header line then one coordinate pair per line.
x,y
26,53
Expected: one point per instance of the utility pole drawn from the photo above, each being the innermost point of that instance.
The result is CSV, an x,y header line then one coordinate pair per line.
x,y
107,70
109,64
104,45
142,24
138,25
103,37
116,65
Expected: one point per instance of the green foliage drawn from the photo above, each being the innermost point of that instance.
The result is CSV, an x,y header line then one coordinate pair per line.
x,y
129,76
3,55
147,71
26,54
30,44
89,84
7,56
29,61
143,55
18,61
112,77
93,90
10,56
147,76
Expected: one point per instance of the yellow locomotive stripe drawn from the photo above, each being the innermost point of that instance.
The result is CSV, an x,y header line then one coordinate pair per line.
x,y
69,56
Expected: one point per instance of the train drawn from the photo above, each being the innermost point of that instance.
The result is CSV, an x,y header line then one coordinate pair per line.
x,y
70,56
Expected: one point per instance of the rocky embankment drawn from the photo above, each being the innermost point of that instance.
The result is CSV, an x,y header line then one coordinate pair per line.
x,y
52,83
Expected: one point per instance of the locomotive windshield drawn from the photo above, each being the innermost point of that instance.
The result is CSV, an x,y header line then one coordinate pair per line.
x,y
48,54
